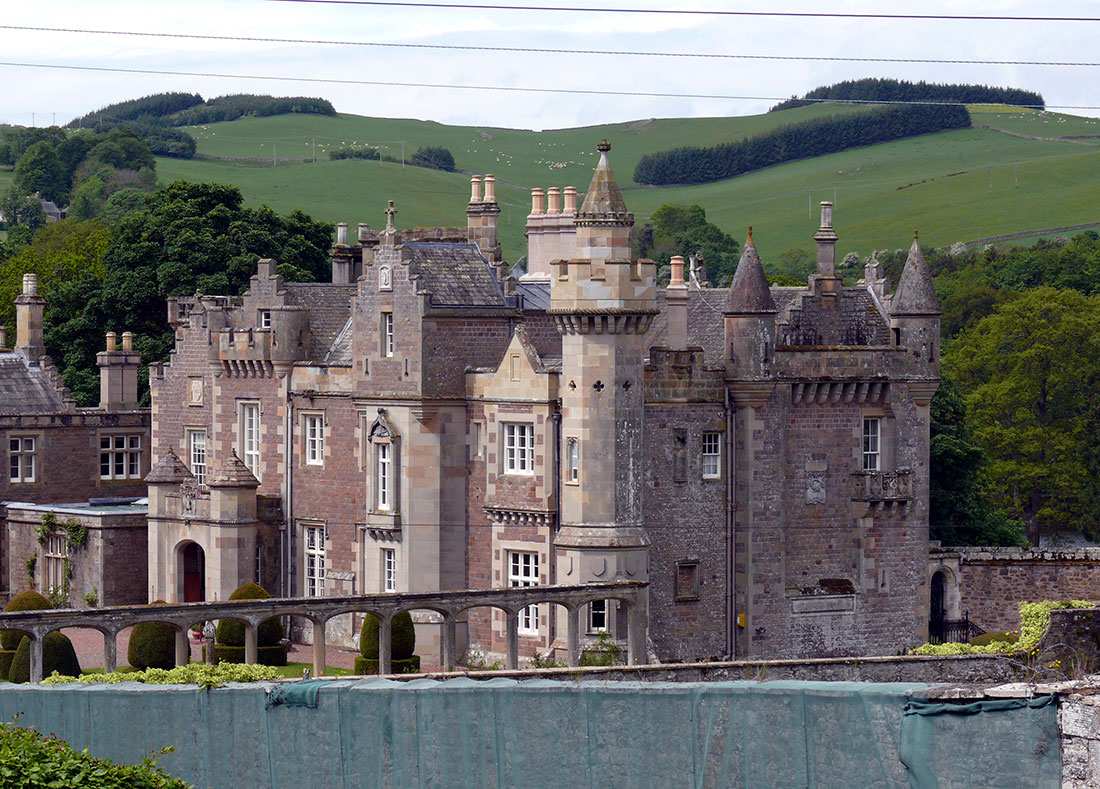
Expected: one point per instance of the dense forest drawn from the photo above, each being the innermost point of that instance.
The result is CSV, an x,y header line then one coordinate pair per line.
x,y
154,117
889,90
692,165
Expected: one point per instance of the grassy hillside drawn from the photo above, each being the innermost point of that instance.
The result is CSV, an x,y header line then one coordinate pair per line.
x,y
939,184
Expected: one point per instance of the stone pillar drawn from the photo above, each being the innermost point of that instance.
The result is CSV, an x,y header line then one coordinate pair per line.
x,y
511,628
319,647
36,658
572,640
251,647
449,642
385,643
110,652
183,647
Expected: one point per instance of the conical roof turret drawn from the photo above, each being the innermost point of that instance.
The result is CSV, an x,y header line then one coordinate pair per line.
x,y
603,201
915,294
168,470
234,474
749,291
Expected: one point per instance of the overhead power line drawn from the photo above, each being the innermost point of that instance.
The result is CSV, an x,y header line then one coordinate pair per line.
x,y
534,50
514,89
704,12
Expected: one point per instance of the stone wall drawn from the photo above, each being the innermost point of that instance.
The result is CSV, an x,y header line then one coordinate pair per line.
x,y
989,583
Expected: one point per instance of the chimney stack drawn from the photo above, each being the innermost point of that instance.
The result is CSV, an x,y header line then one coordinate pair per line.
x,y
826,243
118,374
481,217
676,296
29,307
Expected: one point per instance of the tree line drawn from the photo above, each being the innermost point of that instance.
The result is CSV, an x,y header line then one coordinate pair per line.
x,y
154,117
874,89
817,137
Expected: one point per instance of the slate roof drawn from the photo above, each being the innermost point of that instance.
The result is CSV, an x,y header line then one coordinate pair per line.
x,y
603,197
25,389
329,308
340,352
234,474
456,275
536,295
706,322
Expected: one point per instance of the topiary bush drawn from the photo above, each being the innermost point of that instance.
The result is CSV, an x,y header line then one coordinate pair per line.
x,y
402,644
229,639
152,644
57,655
29,600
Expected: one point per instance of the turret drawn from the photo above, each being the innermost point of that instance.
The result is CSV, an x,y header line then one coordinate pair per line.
x,y
603,305
750,319
915,315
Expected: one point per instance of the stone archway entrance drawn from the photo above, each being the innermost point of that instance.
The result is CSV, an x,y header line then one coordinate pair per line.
x,y
193,565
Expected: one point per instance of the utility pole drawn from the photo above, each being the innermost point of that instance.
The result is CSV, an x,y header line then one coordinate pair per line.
x,y
1016,173
54,121
991,179
274,158
834,195
402,154
315,150
32,120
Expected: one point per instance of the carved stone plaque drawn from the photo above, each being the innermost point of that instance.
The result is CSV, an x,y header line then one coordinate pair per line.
x,y
194,391
385,277
815,486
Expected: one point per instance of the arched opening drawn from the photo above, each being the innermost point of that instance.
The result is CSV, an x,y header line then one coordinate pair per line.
x,y
937,609
193,573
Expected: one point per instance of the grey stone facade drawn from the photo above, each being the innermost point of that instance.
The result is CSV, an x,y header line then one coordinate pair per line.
x,y
427,422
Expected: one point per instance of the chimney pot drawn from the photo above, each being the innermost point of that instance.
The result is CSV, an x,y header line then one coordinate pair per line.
x,y
553,200
570,200
112,341
475,189
127,341
342,233
538,205
826,214
490,189
677,264
30,284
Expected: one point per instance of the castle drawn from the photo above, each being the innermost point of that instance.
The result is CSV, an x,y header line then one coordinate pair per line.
x,y
429,421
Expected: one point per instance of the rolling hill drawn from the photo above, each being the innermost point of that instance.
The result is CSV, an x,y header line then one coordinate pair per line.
x,y
1028,170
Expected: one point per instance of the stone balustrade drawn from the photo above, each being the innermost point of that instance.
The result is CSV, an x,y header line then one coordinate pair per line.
x,y
36,625
883,487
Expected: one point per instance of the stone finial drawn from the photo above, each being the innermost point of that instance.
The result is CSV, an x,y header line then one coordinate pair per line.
x,y
475,188
112,341
749,292
127,341
341,232
748,241
490,189
538,205
603,146
570,195
30,284
390,213
915,294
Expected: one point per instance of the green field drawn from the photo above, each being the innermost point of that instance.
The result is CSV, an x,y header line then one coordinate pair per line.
x,y
953,186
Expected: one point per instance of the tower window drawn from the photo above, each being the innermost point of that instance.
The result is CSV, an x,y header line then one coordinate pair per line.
x,y
572,461
871,437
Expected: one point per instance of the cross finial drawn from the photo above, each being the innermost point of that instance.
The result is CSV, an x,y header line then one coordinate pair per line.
x,y
390,211
750,241
914,235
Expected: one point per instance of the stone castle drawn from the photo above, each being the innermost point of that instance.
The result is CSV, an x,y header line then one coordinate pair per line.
x,y
429,421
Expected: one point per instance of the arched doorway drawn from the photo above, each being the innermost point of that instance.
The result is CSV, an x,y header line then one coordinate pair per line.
x,y
937,609
193,562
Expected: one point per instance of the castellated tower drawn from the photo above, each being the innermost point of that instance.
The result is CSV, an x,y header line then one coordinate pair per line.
x,y
603,304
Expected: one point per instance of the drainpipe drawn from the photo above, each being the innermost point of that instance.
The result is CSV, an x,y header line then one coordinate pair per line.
x,y
288,488
731,519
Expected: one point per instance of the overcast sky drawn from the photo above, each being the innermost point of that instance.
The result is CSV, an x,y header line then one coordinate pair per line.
x,y
65,94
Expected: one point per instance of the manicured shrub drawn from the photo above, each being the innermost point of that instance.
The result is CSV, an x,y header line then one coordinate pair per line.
x,y
32,759
990,638
229,640
29,600
57,655
402,644
152,644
